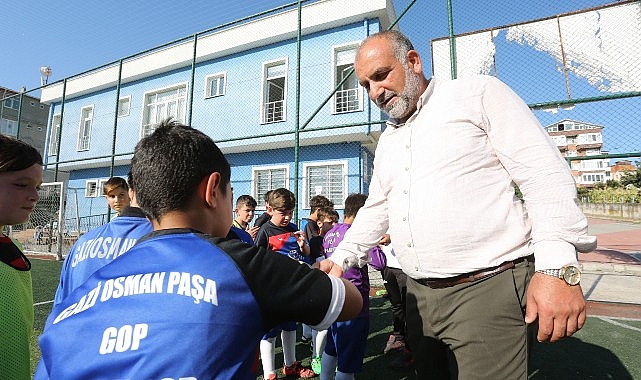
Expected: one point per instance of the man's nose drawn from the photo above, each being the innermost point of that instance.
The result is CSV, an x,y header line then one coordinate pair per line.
x,y
375,91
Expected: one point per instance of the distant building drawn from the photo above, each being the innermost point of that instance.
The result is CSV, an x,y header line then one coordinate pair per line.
x,y
620,168
33,115
581,139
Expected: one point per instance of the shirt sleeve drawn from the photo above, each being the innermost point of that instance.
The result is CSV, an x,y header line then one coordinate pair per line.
x,y
370,224
559,228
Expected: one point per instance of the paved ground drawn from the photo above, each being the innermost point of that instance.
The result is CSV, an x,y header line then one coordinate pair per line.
x,y
611,279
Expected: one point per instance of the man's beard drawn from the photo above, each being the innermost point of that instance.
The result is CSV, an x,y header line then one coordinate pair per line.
x,y
405,103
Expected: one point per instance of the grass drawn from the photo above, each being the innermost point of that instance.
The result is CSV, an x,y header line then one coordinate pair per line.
x,y
603,349
45,276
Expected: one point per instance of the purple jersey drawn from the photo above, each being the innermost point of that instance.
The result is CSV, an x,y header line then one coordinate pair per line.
x,y
357,276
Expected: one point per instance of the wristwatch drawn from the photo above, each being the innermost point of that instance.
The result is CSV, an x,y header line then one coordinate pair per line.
x,y
569,273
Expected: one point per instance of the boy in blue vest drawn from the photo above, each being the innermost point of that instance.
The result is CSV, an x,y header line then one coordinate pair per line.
x,y
184,302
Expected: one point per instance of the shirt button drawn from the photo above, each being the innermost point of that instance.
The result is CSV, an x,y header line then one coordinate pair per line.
x,y
407,168
404,191
409,245
404,218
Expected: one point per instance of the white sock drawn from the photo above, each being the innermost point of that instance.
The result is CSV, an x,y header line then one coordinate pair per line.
x,y
320,337
288,339
328,367
267,348
344,376
307,331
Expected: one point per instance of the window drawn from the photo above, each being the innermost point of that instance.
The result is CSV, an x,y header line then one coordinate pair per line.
x,y
91,188
268,178
84,132
53,136
274,91
328,179
124,105
9,127
13,102
215,85
348,96
159,105
590,138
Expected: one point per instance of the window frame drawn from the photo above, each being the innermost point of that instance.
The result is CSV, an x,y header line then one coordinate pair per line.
x,y
208,84
254,190
84,133
265,89
120,101
335,50
144,117
307,194
91,188
52,146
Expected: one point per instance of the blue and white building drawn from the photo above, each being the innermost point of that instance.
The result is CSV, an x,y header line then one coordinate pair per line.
x,y
243,91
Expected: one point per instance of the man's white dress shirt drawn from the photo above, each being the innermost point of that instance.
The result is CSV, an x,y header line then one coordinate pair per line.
x,y
443,184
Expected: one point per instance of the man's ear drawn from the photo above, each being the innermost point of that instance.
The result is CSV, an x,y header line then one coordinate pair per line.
x,y
414,61
211,185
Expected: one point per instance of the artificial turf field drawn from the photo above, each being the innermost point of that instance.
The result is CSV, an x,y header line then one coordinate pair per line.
x,y
606,348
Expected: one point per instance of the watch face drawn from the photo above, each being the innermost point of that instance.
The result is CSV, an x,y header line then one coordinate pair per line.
x,y
571,275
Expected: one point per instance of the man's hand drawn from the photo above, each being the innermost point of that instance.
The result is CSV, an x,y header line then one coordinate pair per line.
x,y
560,307
329,267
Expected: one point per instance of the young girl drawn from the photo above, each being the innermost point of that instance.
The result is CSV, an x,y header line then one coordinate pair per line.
x,y
20,179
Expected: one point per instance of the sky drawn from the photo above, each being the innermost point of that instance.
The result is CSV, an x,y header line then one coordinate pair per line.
x,y
74,36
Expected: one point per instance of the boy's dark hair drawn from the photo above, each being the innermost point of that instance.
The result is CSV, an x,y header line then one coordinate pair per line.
x,y
326,212
130,181
16,155
169,164
353,203
247,200
266,197
319,201
113,183
282,199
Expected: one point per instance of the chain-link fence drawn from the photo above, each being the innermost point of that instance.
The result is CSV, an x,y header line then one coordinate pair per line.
x,y
276,90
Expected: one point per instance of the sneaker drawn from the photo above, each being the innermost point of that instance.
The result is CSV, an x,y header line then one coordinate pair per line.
x,y
272,376
393,343
403,359
316,365
298,370
305,339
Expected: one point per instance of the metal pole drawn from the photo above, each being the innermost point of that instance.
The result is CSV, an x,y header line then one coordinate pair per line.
x,y
113,139
297,121
191,85
450,22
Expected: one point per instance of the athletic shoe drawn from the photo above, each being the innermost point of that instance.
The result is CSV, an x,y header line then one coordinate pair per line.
x,y
393,343
272,376
316,365
305,339
403,359
298,370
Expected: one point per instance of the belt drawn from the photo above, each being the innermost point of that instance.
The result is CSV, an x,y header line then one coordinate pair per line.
x,y
439,283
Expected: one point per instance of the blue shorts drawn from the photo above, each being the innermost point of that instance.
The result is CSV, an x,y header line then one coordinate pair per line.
x,y
287,326
347,340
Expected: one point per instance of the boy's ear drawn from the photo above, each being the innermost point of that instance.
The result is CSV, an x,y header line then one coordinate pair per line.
x,y
211,188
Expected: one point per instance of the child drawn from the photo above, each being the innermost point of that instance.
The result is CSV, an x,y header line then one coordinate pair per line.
x,y
103,244
308,224
117,194
184,302
284,237
326,218
245,208
20,179
265,216
346,341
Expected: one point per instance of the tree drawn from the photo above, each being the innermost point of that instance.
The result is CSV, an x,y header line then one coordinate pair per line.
x,y
633,178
